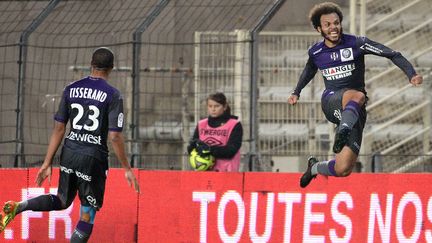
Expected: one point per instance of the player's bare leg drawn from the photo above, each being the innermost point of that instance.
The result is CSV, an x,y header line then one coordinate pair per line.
x,y
345,162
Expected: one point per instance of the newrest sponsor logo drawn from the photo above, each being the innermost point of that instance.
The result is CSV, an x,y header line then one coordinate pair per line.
x,y
84,137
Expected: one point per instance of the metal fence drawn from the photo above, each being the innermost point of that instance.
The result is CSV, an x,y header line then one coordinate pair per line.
x,y
399,115
46,44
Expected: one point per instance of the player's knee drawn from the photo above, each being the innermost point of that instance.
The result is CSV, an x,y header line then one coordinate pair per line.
x,y
360,98
85,217
58,202
343,170
344,173
66,204
87,214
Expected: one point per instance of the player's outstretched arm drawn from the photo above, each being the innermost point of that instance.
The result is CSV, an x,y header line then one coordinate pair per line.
x,y
416,80
117,141
306,76
54,143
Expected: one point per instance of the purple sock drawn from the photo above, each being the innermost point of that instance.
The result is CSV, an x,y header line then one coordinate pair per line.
x,y
354,106
84,227
350,114
331,166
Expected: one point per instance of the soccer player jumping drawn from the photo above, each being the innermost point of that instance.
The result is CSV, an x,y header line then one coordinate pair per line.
x,y
340,58
95,111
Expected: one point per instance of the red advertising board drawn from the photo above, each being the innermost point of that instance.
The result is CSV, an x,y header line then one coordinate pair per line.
x,y
115,222
235,207
174,205
270,207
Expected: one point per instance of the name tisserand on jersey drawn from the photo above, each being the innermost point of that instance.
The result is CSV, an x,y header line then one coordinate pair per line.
x,y
88,93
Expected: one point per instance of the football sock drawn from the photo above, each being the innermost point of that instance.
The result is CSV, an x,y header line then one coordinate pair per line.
x,y
82,232
47,202
79,237
350,115
324,168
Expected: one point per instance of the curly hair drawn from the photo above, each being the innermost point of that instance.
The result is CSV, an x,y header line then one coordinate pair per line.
x,y
321,9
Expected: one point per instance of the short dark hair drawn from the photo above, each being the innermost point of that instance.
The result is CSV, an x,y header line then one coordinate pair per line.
x,y
321,9
220,98
103,58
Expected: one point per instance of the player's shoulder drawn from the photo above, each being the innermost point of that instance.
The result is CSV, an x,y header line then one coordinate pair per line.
x,y
112,91
349,40
349,37
316,48
107,85
358,39
116,92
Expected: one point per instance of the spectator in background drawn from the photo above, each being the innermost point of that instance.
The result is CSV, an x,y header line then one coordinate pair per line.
x,y
95,111
340,58
219,135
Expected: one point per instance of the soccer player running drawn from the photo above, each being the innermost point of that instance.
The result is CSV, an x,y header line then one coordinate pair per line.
x,y
340,58
95,111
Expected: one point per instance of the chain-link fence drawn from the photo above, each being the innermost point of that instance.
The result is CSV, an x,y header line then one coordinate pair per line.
x,y
169,56
399,115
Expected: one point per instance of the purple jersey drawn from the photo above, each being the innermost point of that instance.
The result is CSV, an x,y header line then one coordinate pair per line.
x,y
343,66
93,108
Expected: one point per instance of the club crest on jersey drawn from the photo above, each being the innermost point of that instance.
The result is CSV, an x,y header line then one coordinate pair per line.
x,y
346,54
334,56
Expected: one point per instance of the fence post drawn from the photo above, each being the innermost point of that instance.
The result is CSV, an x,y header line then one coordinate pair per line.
x,y
136,64
377,163
363,17
352,7
427,115
22,59
262,22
